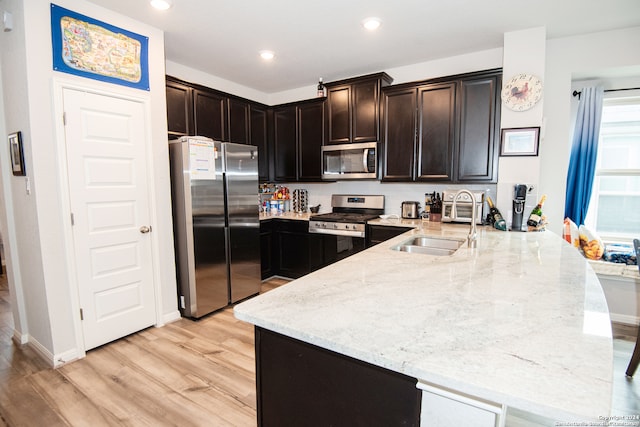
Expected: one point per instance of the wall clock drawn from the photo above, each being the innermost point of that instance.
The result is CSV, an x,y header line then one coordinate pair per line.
x,y
522,92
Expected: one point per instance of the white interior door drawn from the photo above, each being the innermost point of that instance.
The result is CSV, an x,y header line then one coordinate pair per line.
x,y
106,162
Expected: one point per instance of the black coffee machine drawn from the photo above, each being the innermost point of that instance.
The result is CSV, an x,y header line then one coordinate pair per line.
x,y
519,198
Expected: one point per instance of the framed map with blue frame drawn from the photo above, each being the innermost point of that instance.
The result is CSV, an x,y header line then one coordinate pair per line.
x,y
94,49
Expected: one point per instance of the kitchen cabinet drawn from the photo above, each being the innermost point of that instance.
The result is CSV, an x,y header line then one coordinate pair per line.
x,y
479,127
197,110
210,114
310,139
296,251
284,143
179,109
259,134
289,250
298,382
436,132
443,129
352,107
379,233
266,249
399,118
298,136
239,121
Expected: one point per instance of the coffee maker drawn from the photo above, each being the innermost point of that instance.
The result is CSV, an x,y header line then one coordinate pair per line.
x,y
519,198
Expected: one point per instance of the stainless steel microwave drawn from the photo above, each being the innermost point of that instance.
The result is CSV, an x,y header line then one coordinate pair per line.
x,y
350,161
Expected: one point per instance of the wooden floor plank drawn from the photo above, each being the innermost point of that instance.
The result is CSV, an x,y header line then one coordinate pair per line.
x,y
68,401
186,373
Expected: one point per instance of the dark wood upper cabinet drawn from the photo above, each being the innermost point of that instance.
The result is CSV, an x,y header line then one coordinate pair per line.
x,y
179,109
210,114
310,139
259,132
298,136
339,122
479,129
443,129
366,111
399,116
436,132
284,144
353,109
239,128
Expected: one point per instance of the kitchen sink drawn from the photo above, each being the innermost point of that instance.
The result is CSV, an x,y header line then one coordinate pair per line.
x,y
429,245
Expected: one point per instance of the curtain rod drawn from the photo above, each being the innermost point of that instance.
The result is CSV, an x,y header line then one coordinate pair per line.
x,y
576,93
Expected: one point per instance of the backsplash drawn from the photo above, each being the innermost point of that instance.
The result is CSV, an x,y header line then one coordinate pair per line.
x,y
395,193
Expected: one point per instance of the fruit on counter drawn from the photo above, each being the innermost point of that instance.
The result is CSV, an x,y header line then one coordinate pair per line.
x,y
495,217
590,243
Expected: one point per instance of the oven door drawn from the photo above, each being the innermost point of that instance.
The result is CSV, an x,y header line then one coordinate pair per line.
x,y
334,248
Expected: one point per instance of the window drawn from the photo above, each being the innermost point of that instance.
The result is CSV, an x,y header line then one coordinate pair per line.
x,y
614,210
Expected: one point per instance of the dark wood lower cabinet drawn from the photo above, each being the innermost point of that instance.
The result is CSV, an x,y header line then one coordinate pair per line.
x,y
292,241
266,249
289,250
379,233
299,384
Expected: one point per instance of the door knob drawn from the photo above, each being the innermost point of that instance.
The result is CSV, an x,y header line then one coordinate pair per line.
x,y
144,229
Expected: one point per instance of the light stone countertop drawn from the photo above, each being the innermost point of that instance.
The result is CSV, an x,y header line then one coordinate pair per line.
x,y
285,215
521,320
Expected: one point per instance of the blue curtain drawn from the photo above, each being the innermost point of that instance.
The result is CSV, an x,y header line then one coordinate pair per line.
x,y
584,152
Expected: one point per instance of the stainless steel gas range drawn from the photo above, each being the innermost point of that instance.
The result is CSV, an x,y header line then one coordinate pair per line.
x,y
344,228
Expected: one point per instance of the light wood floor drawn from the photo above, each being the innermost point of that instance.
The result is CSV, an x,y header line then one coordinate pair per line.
x,y
187,373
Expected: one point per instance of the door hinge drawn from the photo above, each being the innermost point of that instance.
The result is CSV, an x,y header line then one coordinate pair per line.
x,y
81,314
73,221
64,118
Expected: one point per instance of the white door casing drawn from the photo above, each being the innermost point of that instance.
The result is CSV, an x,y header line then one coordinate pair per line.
x,y
105,141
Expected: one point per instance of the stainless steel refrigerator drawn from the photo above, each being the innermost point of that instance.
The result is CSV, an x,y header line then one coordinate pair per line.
x,y
214,189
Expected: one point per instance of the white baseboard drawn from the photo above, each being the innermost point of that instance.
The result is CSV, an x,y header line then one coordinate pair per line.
x,y
170,317
20,338
622,318
54,360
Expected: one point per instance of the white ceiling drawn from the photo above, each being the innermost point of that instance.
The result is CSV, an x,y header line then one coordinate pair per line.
x,y
314,39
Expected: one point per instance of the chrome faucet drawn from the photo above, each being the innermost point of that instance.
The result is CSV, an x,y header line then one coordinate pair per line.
x,y
473,234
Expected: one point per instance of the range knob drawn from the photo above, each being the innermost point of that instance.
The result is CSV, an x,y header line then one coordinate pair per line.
x,y
335,226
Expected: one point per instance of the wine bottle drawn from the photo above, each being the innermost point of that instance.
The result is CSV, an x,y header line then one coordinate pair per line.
x,y
536,213
495,216
320,88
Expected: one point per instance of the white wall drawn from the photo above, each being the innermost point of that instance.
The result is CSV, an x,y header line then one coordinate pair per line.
x,y
524,52
591,54
24,258
476,61
28,80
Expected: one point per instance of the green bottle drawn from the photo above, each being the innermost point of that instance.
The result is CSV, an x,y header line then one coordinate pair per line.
x,y
536,213
495,217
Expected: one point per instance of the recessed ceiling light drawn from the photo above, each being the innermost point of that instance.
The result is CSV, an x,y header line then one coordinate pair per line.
x,y
161,4
267,55
371,23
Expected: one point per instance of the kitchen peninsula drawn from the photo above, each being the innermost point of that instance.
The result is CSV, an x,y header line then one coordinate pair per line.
x,y
518,322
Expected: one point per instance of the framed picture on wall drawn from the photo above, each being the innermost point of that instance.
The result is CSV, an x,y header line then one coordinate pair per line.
x,y
97,50
17,155
520,141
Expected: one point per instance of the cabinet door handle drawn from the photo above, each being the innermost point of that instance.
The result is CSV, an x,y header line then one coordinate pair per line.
x,y
144,229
